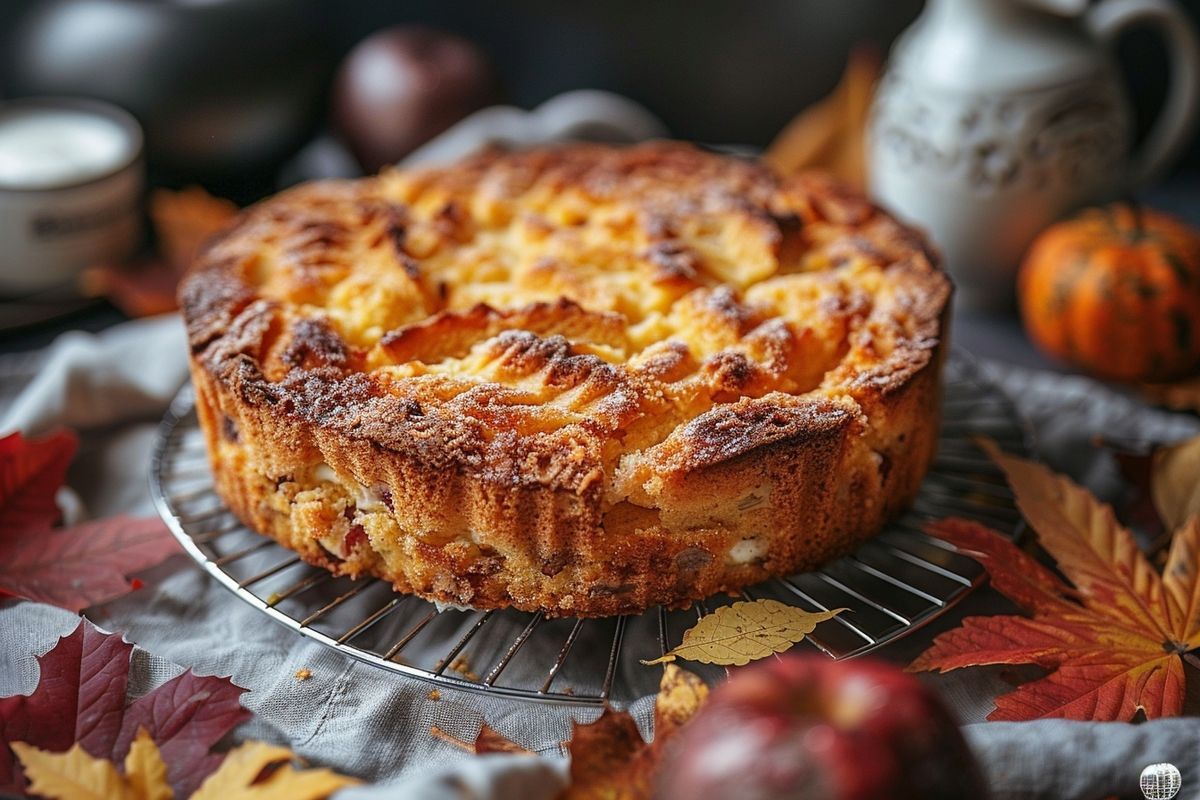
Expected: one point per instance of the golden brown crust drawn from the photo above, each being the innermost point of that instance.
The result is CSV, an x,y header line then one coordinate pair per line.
x,y
689,374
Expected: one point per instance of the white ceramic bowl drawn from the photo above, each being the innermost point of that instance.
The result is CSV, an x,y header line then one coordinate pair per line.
x,y
71,185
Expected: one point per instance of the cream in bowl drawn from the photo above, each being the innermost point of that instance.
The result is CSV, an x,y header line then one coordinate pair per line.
x,y
71,180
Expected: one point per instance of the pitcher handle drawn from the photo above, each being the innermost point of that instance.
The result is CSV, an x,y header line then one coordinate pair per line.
x,y
1173,128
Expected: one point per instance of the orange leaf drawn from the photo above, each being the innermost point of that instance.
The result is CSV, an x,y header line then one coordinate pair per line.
x,y
1018,575
1112,642
185,220
1103,686
1002,640
1090,546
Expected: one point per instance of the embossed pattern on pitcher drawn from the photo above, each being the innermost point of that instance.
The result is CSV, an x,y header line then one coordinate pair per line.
x,y
1070,138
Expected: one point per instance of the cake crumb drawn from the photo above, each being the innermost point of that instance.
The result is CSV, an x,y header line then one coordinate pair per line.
x,y
434,694
463,667
303,674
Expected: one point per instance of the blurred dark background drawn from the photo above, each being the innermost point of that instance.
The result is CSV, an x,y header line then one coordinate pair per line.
x,y
714,71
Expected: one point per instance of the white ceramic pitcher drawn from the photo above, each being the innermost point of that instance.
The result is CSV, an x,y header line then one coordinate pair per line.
x,y
996,117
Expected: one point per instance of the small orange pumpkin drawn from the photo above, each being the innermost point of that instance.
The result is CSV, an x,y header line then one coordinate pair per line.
x,y
1116,291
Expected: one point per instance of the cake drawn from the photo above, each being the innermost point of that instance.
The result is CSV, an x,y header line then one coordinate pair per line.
x,y
579,380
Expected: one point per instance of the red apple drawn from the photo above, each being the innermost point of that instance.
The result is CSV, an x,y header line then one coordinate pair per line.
x,y
400,87
806,726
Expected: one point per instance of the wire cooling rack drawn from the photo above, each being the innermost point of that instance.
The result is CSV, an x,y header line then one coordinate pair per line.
x,y
892,585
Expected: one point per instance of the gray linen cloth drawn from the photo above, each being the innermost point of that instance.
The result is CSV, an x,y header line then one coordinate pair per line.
x,y
113,388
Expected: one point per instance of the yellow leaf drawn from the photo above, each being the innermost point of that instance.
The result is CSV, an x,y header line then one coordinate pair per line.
x,y
240,768
680,695
1091,548
1181,580
73,775
743,632
235,780
289,783
1175,482
145,772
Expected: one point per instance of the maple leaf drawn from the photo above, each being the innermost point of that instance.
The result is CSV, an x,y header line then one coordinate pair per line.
x,y
80,566
76,775
145,771
242,777
1112,638
31,472
745,631
246,773
609,758
72,568
80,699
73,775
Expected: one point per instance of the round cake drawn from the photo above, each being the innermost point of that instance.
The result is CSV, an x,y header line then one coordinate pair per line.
x,y
580,380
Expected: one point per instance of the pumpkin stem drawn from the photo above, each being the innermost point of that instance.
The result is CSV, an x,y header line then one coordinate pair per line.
x,y
1139,221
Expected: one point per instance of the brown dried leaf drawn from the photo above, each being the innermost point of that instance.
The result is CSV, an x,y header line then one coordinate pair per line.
x,y
185,220
605,759
831,133
488,740
1182,395
609,758
491,740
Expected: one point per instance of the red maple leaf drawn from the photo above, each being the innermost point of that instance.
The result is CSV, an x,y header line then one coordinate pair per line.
x,y
80,697
72,568
78,567
31,472
1112,639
